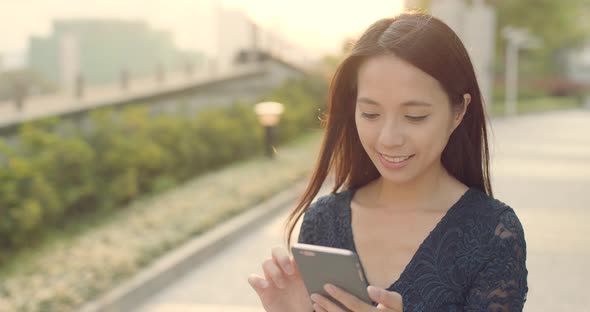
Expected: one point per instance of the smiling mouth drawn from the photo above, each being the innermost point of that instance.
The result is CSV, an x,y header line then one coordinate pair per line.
x,y
396,159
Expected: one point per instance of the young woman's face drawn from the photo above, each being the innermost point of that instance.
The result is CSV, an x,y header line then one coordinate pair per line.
x,y
403,118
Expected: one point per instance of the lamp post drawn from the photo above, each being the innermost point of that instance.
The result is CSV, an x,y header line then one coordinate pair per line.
x,y
517,38
79,86
269,114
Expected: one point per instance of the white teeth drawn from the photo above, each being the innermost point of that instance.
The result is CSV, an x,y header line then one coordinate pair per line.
x,y
395,159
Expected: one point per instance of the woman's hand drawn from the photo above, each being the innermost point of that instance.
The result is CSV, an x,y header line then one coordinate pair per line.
x,y
388,300
282,288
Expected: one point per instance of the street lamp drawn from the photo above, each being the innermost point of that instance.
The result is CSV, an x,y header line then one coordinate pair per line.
x,y
517,38
269,114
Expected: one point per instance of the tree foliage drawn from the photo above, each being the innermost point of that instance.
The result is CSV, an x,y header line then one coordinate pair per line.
x,y
560,26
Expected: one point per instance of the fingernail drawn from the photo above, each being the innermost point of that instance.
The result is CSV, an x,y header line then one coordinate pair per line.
x,y
374,291
263,283
289,269
314,297
329,288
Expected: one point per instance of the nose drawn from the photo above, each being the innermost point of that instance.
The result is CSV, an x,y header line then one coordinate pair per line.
x,y
391,135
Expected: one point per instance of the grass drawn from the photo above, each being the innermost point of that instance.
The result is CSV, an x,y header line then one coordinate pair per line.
x,y
78,264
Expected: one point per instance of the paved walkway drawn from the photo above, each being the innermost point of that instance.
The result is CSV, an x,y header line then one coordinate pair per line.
x,y
541,168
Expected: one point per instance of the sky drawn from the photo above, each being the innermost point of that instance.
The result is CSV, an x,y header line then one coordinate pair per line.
x,y
318,26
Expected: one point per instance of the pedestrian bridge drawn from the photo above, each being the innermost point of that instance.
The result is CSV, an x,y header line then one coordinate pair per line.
x,y
176,91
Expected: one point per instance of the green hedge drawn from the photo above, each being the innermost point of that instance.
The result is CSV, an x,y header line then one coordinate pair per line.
x,y
57,173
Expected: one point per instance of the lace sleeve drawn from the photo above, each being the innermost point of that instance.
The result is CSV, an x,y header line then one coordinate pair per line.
x,y
502,283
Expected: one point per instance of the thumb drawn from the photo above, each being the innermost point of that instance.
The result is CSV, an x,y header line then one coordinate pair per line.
x,y
386,299
258,283
295,267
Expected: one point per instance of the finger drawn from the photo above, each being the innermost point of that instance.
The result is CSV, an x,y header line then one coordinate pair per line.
x,y
258,283
281,256
325,303
381,307
295,266
348,300
386,299
318,308
273,273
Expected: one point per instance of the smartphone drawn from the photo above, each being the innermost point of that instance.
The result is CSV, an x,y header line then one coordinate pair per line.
x,y
321,265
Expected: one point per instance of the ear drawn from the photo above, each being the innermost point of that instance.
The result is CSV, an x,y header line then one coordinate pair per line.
x,y
460,111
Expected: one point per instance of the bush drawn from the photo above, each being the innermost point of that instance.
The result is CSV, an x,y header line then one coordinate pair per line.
x,y
304,101
57,172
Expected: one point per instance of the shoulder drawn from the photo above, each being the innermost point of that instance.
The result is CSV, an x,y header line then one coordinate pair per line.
x,y
329,205
493,236
323,221
496,218
486,208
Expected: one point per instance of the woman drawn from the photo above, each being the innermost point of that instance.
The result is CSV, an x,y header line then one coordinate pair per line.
x,y
406,141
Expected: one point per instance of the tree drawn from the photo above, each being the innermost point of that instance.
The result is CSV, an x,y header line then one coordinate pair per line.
x,y
560,25
331,61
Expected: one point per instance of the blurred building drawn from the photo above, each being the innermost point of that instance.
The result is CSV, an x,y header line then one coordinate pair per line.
x,y
229,36
99,50
475,23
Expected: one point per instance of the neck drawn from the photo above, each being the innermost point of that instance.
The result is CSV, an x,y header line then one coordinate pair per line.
x,y
414,195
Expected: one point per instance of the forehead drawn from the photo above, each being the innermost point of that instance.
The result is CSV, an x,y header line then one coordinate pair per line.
x,y
391,79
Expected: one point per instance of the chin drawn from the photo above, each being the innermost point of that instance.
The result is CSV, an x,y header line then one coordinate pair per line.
x,y
396,178
397,175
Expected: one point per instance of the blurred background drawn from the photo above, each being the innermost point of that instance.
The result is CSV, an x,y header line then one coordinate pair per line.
x,y
138,173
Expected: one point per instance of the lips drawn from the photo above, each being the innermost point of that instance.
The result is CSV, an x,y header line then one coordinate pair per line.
x,y
395,159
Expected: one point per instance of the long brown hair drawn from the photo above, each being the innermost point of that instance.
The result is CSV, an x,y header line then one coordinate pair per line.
x,y
430,45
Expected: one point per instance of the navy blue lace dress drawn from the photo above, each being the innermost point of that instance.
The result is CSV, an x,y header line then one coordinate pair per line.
x,y
473,260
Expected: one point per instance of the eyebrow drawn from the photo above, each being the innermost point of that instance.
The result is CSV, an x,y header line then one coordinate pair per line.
x,y
406,103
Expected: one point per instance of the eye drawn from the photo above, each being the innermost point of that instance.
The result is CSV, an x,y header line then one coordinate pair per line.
x,y
416,118
369,116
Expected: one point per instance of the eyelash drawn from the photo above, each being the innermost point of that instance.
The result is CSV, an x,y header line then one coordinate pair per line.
x,y
417,118
369,116
412,118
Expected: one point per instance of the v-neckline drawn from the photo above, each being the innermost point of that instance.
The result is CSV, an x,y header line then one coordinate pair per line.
x,y
404,272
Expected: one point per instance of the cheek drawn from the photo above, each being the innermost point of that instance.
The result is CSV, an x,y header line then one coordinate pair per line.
x,y
366,132
435,136
362,133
